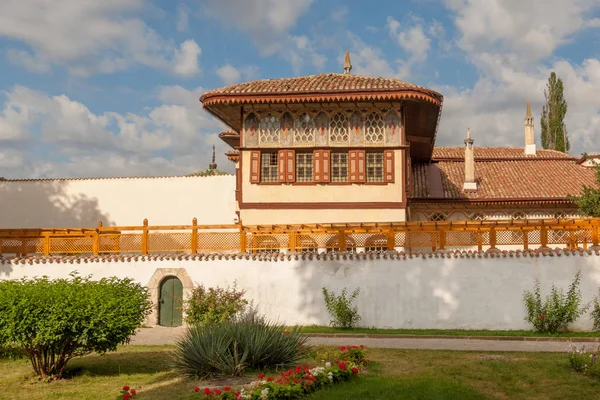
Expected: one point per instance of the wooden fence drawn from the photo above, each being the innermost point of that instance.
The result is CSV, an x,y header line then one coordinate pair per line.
x,y
406,236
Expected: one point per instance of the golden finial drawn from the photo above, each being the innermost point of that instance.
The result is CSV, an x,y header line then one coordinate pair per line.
x,y
347,63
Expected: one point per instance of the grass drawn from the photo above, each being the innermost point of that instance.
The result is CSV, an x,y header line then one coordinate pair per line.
x,y
442,332
397,374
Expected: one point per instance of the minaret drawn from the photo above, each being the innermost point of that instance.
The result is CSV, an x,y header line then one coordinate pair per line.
x,y
213,164
470,183
347,63
530,149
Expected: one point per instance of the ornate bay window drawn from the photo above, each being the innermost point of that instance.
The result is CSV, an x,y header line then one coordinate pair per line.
x,y
338,128
305,130
269,129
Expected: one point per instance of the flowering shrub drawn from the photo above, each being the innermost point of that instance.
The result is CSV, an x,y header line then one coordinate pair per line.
x,y
596,313
343,312
354,354
127,393
584,361
557,311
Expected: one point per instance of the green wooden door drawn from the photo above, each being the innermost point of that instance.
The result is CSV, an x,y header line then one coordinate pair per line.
x,y
169,310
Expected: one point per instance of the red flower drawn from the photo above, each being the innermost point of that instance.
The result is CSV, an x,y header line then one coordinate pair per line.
x,y
196,389
261,376
237,393
542,316
298,369
296,380
361,346
227,388
125,388
342,348
132,391
343,366
126,396
355,370
301,347
270,379
217,392
207,391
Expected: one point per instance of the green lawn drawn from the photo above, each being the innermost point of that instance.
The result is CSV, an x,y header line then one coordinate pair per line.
x,y
394,374
442,332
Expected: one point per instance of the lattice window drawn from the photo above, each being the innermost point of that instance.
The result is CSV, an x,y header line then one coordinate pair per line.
x,y
437,217
376,243
374,128
339,166
338,128
477,217
268,167
519,215
305,129
304,167
374,166
251,124
560,215
269,129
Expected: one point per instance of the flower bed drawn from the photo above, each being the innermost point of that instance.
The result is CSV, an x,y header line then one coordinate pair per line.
x,y
585,360
291,384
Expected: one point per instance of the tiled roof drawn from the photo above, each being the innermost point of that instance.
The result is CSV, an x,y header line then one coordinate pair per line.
x,y
209,172
546,176
458,153
322,83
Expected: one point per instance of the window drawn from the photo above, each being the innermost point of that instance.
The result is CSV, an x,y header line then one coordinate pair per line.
x,y
304,129
338,128
374,166
268,167
374,128
437,217
339,167
304,167
269,129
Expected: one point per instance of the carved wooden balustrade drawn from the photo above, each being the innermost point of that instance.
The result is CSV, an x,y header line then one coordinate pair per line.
x,y
410,237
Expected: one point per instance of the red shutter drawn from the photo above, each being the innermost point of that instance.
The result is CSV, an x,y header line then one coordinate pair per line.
x,y
352,166
290,166
388,166
317,166
254,166
361,174
325,165
282,164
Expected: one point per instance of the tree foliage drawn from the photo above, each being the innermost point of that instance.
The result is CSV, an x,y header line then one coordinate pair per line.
x,y
589,201
52,321
214,305
554,131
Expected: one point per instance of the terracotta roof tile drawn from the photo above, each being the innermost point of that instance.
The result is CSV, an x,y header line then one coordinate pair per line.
x,y
550,176
329,82
458,153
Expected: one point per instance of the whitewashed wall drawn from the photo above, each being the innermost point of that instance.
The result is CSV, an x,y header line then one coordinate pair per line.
x,y
83,203
442,293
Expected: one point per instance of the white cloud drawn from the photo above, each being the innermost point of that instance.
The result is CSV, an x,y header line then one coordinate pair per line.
x,y
173,138
229,74
413,40
85,36
186,59
182,17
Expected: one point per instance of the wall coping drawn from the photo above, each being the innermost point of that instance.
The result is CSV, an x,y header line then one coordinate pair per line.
x,y
391,255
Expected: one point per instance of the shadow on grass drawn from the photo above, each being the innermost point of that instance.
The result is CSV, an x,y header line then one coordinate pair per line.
x,y
414,388
120,363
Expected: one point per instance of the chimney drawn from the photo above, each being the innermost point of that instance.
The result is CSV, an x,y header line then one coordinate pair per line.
x,y
530,149
470,183
347,63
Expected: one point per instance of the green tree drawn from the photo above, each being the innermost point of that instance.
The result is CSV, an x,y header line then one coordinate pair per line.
x,y
554,131
589,201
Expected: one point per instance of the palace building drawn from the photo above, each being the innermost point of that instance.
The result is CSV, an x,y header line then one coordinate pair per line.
x,y
344,148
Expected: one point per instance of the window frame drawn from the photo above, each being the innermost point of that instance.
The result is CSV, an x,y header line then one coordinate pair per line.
x,y
273,178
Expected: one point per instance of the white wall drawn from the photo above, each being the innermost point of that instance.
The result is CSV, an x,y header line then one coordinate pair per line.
x,y
432,292
82,203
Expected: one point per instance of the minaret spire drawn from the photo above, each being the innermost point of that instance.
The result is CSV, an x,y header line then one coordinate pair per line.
x,y
347,63
213,164
530,149
470,183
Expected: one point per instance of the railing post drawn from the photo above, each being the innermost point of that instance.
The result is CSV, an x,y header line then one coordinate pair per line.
x,y
525,239
194,236
492,238
145,237
391,240
595,233
479,241
342,240
46,245
95,243
442,239
544,236
243,243
292,241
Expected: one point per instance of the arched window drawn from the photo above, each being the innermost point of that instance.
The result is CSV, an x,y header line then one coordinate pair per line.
x,y
376,243
251,124
437,217
333,244
287,123
374,128
269,129
305,129
307,244
265,244
338,128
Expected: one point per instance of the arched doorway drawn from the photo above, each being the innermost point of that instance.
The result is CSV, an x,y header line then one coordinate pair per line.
x,y
170,312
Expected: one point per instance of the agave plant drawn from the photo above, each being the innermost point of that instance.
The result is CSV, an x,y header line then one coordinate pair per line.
x,y
231,347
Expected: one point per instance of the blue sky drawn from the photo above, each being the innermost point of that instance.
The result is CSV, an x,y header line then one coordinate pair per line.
x,y
111,88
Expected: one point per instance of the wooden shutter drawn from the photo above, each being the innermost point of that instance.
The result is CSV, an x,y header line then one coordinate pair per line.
x,y
290,169
282,164
325,165
254,166
317,166
361,173
352,166
388,166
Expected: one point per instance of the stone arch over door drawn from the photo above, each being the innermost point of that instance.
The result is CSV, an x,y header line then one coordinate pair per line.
x,y
154,289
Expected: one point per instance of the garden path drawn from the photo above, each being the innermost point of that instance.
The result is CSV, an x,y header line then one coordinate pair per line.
x,y
167,336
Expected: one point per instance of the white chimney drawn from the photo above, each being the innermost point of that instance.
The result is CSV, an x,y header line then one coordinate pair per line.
x,y
530,149
470,183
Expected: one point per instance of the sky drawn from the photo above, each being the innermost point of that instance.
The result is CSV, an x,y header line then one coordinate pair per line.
x,y
110,88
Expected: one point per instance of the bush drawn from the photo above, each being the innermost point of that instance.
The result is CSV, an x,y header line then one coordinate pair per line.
x,y
230,347
52,321
341,308
557,311
596,313
214,305
584,361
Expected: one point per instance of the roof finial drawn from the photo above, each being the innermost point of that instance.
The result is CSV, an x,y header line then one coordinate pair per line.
x,y
468,140
347,63
528,115
213,164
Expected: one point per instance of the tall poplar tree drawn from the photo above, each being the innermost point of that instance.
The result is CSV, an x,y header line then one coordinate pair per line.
x,y
554,130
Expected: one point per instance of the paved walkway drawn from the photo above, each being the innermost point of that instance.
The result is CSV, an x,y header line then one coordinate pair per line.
x,y
165,336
